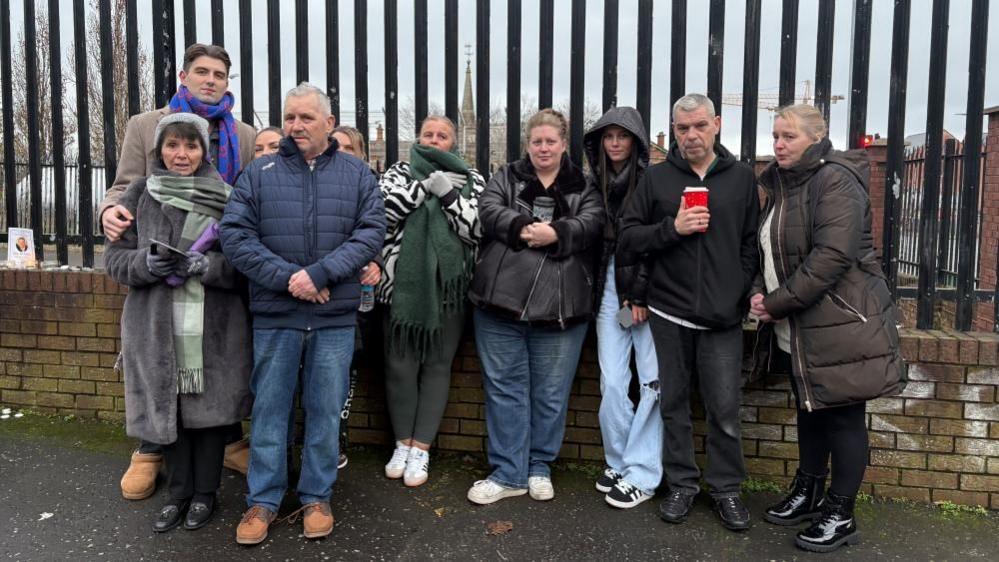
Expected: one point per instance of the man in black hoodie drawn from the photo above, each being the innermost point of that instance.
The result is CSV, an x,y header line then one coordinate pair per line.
x,y
704,259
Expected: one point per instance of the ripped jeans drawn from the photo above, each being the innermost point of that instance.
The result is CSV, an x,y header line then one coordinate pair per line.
x,y
632,437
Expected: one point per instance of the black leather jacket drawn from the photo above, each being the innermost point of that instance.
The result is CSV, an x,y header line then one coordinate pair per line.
x,y
551,285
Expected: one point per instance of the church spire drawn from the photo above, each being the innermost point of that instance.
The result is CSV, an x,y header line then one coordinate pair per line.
x,y
468,103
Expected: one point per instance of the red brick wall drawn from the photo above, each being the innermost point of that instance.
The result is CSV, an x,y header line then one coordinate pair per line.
x,y
938,441
990,219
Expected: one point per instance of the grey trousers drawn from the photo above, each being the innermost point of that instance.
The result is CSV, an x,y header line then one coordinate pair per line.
x,y
417,391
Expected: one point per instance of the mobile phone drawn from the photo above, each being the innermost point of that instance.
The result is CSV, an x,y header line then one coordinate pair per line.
x,y
157,247
624,317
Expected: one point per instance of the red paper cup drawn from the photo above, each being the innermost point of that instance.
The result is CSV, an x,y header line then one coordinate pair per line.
x,y
695,196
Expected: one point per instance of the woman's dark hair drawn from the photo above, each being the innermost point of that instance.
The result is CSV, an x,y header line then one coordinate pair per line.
x,y
632,167
183,131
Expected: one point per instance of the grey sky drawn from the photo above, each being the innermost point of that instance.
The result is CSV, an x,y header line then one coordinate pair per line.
x,y
697,32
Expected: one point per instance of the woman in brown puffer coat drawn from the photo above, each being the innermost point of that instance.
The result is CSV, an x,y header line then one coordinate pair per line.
x,y
828,319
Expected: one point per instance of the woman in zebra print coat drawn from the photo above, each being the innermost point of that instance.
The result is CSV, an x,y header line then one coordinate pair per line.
x,y
431,207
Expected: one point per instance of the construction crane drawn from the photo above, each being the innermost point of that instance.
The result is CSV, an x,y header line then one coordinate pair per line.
x,y
771,102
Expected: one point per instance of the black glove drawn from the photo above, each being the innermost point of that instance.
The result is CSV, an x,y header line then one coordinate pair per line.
x,y
160,265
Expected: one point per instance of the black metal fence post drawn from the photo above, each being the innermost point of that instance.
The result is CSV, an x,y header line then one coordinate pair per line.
x,y
333,56
750,82
577,101
420,58
972,171
391,32
895,164
546,55
482,87
931,176
643,94
513,62
107,98
716,52
451,60
788,51
31,97
823,55
246,61
190,23
274,92
301,41
85,202
946,211
131,57
218,24
9,173
678,56
609,87
361,69
58,146
859,72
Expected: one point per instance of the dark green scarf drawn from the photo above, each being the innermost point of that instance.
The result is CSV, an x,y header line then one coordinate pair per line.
x,y
434,267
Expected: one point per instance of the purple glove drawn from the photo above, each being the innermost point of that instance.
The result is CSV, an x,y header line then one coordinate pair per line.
x,y
207,239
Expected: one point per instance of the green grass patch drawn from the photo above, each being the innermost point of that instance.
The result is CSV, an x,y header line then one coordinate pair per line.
x,y
754,486
69,431
951,509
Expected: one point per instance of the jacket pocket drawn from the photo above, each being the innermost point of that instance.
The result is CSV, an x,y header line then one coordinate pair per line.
x,y
841,304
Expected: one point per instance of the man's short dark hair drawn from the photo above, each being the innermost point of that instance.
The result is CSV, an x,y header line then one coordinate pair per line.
x,y
197,50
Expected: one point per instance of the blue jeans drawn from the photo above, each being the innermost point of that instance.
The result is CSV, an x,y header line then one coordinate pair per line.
x,y
324,356
527,376
632,437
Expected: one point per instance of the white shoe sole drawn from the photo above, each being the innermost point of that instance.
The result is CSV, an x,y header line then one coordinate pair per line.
x,y
542,496
415,481
394,474
508,493
625,505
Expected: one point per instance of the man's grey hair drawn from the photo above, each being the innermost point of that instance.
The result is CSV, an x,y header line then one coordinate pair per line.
x,y
691,102
306,89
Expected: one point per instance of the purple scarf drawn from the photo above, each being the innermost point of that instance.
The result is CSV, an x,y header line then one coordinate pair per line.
x,y
228,160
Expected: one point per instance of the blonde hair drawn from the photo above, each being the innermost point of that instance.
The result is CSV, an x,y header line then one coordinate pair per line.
x,y
806,118
355,137
551,118
440,119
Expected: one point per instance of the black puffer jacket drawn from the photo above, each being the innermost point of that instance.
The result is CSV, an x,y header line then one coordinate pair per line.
x,y
631,271
844,339
546,286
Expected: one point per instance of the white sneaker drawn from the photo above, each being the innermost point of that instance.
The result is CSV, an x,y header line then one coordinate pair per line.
x,y
541,488
397,464
417,467
487,491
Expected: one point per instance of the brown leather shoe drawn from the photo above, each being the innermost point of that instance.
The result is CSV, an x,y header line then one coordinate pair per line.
x,y
237,456
253,527
139,481
318,521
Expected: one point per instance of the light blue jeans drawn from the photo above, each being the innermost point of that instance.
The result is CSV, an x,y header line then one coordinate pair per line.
x,y
633,437
527,376
324,356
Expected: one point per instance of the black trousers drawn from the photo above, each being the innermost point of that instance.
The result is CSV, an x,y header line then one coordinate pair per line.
x,y
194,462
838,434
714,359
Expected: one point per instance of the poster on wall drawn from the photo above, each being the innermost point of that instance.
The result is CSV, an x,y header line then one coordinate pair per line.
x,y
20,248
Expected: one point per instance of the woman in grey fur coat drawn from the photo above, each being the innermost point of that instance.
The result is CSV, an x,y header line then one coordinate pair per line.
x,y
186,339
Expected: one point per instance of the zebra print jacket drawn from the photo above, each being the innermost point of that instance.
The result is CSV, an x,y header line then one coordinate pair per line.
x,y
403,195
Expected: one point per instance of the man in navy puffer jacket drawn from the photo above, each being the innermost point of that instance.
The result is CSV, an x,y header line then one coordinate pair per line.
x,y
300,225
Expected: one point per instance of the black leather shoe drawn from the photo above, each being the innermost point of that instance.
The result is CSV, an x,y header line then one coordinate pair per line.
x,y
802,503
169,516
676,506
834,528
199,514
733,513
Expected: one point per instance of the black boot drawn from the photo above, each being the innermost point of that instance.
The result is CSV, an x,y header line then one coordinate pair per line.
x,y
833,528
801,504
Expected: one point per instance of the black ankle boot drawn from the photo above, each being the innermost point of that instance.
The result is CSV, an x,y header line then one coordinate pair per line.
x,y
801,504
833,528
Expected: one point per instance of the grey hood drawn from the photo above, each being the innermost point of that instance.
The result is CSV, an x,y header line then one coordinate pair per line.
x,y
627,118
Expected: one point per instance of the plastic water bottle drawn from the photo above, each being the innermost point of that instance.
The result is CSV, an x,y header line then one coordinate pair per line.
x,y
367,298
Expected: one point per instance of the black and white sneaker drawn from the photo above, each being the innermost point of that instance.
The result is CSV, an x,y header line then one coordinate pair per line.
x,y
625,495
607,480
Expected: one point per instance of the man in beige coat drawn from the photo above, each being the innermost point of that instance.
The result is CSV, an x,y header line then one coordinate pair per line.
x,y
204,84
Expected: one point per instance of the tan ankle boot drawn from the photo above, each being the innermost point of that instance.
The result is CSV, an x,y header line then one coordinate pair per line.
x,y
318,521
237,456
139,481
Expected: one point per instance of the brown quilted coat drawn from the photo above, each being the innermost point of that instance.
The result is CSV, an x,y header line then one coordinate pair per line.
x,y
844,339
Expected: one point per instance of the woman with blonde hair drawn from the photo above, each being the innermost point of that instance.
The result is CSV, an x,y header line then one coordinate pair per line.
x,y
828,319
533,297
351,141
431,210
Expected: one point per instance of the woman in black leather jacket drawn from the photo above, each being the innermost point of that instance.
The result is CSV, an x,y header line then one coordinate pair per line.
x,y
533,293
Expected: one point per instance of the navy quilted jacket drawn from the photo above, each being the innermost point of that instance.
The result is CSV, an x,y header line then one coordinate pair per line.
x,y
283,217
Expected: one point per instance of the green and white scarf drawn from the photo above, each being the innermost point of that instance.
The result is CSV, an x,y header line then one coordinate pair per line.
x,y
203,199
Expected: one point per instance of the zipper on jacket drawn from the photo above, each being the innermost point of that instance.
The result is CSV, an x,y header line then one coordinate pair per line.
x,y
795,349
561,297
836,298
534,285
